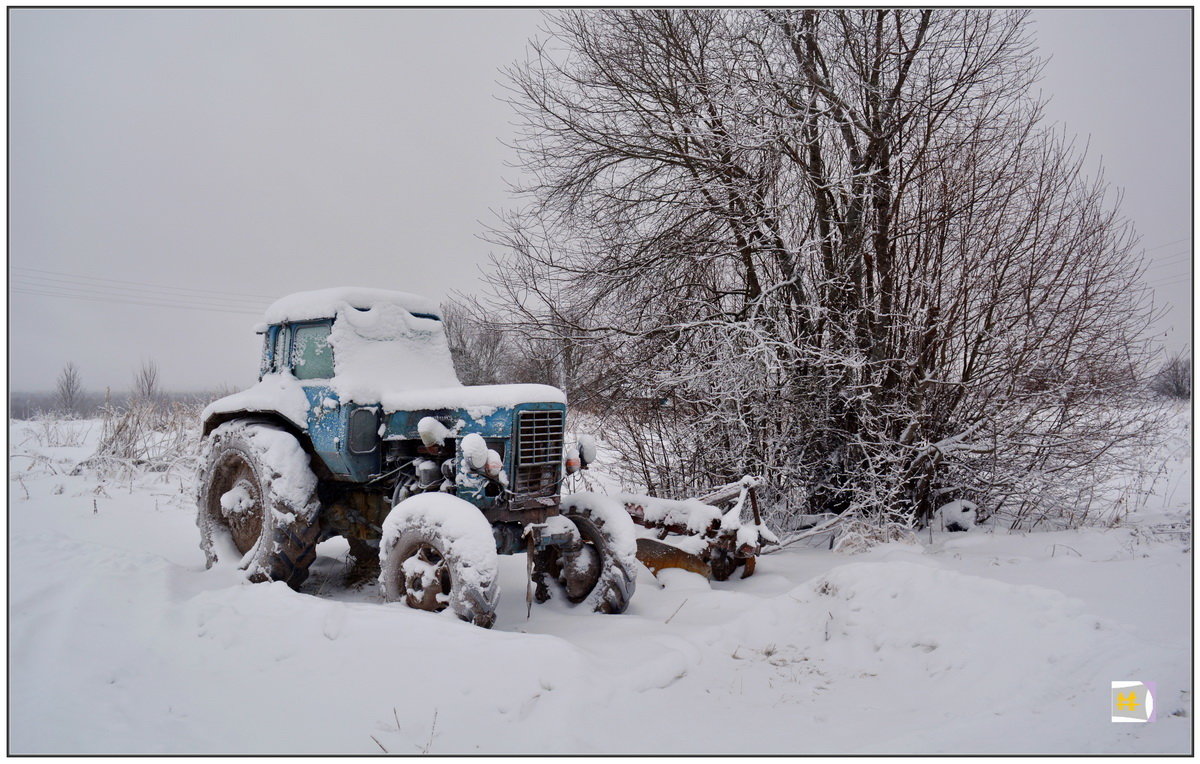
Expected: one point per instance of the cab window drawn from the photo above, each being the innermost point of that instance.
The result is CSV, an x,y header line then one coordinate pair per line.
x,y
278,350
274,347
312,357
264,363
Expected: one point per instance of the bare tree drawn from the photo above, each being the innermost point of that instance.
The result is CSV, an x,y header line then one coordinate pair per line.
x,y
486,351
145,382
1174,378
68,391
476,344
841,243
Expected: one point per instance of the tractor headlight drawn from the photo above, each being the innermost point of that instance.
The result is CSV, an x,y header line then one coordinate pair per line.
x,y
571,462
580,454
483,460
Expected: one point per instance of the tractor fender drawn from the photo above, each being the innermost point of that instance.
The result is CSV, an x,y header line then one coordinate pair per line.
x,y
213,421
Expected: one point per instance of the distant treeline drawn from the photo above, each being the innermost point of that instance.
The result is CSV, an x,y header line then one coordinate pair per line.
x,y
30,405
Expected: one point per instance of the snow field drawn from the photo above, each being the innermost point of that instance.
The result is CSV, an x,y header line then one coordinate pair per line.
x,y
121,642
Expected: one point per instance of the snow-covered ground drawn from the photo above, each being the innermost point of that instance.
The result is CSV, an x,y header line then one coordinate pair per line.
x,y
984,642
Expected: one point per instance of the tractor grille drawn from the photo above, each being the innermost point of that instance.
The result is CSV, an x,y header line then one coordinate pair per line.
x,y
539,451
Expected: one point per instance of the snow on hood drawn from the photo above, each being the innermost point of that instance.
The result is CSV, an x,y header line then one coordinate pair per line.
x,y
465,397
388,356
326,303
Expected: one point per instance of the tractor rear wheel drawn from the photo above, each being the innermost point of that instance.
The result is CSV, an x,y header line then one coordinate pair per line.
x,y
258,502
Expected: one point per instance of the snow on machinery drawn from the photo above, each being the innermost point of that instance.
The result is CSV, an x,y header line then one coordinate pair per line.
x,y
710,535
359,427
703,538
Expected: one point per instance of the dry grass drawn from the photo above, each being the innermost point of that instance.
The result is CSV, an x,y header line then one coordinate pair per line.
x,y
146,435
58,431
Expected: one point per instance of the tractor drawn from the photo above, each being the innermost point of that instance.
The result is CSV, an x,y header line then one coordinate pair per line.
x,y
359,427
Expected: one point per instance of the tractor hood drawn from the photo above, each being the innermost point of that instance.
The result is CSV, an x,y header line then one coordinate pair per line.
x,y
288,396
486,409
470,397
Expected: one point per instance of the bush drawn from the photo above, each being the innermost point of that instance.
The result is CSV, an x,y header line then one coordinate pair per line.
x,y
732,211
147,434
1174,379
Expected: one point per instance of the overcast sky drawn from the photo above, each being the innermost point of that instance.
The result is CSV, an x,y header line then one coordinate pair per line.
x,y
217,159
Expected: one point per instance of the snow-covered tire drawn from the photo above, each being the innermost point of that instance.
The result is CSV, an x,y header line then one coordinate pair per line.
x,y
438,552
258,502
608,535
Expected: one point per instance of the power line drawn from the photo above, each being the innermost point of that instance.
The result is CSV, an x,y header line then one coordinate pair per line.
x,y
1165,281
141,304
1169,243
151,302
51,282
83,277
1182,251
141,296
1177,272
1159,273
1175,264
184,306
1180,267
1174,257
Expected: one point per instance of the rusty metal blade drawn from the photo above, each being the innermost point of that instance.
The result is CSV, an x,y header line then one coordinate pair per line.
x,y
656,555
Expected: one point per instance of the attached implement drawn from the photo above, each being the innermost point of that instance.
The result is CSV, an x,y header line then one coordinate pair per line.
x,y
710,535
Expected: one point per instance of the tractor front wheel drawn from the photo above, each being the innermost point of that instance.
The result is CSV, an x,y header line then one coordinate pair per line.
x,y
599,570
438,552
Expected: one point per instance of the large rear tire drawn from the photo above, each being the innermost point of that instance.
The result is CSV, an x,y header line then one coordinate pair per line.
x,y
258,502
438,552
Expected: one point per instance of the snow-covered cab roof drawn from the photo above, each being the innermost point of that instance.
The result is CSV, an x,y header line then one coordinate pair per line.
x,y
327,303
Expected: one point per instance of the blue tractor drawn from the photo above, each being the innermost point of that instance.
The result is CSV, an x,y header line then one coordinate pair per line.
x,y
359,427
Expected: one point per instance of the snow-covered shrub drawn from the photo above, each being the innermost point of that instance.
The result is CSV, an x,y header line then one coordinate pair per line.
x,y
148,434
1174,378
762,270
856,535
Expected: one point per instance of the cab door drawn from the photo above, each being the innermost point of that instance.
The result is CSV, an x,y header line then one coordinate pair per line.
x,y
344,435
309,358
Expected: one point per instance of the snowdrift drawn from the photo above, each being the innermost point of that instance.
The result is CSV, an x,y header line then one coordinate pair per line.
x,y
120,642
